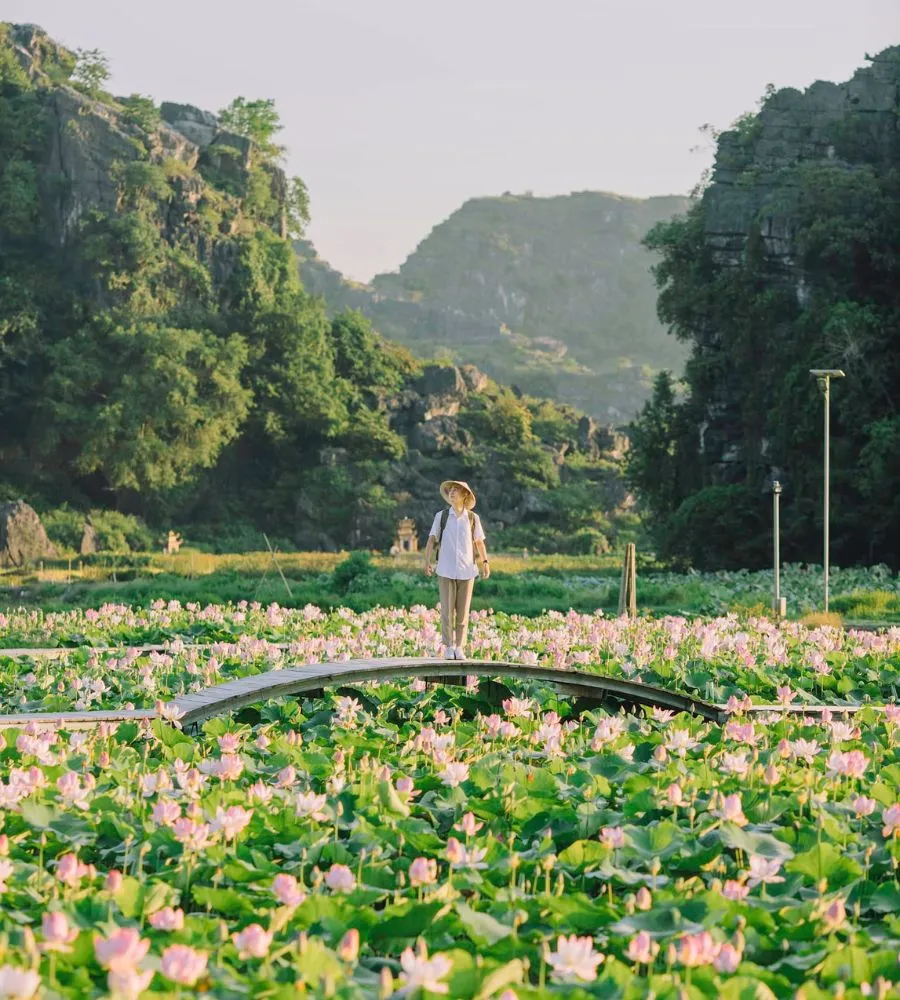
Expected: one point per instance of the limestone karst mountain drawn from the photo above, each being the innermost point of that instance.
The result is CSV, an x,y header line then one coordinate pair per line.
x,y
553,295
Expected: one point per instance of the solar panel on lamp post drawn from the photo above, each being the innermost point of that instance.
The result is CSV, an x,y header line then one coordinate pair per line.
x,y
823,377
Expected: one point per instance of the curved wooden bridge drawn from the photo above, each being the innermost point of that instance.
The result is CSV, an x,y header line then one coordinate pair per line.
x,y
237,694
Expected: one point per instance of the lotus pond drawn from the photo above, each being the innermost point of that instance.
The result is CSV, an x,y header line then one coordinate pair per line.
x,y
404,839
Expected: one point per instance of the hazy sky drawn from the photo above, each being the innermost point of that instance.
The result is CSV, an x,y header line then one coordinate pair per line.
x,y
397,111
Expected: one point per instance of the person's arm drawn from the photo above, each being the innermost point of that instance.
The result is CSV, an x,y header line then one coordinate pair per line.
x,y
429,553
483,558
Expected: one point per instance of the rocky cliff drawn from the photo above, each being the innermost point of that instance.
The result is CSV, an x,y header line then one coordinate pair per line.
x,y
788,263
553,295
159,355
760,190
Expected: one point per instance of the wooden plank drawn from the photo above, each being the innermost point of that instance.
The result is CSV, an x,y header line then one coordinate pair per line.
x,y
74,720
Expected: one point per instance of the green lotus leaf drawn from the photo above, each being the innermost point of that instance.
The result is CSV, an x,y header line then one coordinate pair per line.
x,y
824,861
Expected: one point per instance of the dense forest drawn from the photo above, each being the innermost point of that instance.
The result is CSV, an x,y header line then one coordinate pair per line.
x,y
788,261
160,358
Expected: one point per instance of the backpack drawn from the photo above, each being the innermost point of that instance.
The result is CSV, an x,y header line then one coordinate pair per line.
x,y
445,513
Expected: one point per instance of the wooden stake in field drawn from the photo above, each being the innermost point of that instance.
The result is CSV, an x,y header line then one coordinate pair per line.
x,y
628,586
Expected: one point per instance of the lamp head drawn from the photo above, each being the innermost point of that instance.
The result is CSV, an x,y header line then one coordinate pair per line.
x,y
826,372
776,486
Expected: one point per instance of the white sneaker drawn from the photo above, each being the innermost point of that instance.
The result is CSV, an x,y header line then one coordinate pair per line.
x,y
460,653
449,652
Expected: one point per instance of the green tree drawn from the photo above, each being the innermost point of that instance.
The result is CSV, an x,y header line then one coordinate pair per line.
x,y
257,120
91,71
145,406
652,460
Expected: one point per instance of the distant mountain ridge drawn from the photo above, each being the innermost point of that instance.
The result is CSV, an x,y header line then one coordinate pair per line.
x,y
553,295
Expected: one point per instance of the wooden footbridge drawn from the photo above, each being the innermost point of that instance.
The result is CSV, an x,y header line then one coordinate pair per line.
x,y
587,688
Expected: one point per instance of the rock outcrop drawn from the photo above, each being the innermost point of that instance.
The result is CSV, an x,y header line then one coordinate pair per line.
x,y
23,540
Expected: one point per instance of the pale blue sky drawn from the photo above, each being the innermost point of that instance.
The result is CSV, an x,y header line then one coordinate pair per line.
x,y
397,111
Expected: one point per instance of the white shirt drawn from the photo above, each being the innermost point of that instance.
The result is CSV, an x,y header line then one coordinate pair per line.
x,y
456,559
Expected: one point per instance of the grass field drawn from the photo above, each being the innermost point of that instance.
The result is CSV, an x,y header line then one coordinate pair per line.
x,y
359,581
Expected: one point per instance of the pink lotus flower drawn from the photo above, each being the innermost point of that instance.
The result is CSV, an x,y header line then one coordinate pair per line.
x,y
165,812
851,764
71,871
183,964
642,949
864,806
454,774
891,819
679,741
122,950
575,959
287,890
127,984
286,777
348,949
804,750
728,958
406,786
833,916
423,871
167,919
735,890
311,805
517,708
229,742
18,984
229,767
612,837
422,972
468,825
785,695
253,942
113,880
58,936
6,869
340,879
643,900
763,870
192,835
731,810
697,949
771,775
674,795
231,821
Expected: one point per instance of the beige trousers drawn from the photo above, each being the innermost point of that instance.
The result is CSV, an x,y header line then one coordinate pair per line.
x,y
456,596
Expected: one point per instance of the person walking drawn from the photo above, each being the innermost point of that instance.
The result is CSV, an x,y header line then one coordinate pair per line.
x,y
455,537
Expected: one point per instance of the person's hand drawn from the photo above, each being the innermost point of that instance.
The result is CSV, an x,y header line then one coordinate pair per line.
x,y
485,569
429,569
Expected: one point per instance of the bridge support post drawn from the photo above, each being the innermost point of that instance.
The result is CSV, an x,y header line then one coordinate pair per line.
x,y
628,586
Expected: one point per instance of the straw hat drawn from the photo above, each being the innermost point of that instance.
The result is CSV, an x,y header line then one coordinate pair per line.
x,y
469,502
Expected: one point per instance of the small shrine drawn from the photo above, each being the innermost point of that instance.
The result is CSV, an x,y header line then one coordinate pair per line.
x,y
407,540
173,543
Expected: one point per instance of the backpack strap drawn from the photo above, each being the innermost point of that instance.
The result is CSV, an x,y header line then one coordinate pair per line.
x,y
445,513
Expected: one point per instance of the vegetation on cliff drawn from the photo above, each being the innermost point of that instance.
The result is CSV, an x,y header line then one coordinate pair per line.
x,y
160,357
787,262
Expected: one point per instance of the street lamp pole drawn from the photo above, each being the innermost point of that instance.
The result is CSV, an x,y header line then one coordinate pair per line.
x,y
823,377
778,604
